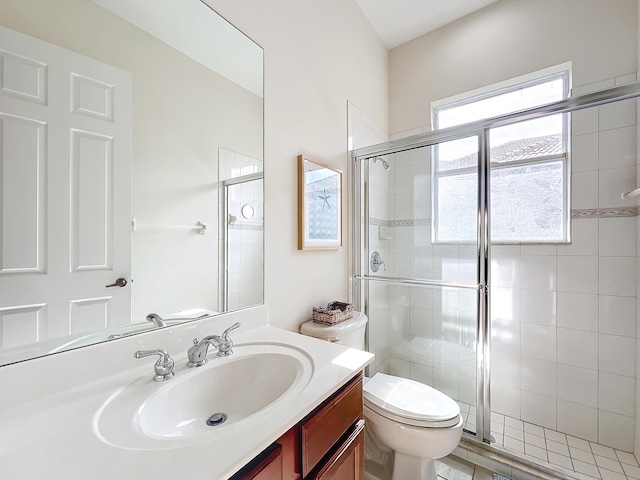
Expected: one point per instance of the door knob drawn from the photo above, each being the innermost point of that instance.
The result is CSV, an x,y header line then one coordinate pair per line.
x,y
121,282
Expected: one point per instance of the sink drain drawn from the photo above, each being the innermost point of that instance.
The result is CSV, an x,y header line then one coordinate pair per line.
x,y
216,419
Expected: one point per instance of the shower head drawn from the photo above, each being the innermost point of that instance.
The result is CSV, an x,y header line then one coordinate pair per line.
x,y
385,164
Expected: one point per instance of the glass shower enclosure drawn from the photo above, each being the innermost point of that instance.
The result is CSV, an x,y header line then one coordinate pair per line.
x,y
424,292
422,254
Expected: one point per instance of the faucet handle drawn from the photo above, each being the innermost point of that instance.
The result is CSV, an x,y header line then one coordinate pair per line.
x,y
225,348
163,367
225,334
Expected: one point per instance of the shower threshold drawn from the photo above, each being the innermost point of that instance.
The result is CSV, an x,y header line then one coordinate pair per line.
x,y
523,450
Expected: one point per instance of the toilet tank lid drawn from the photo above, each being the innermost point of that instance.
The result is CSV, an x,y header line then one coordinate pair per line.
x,y
410,399
333,332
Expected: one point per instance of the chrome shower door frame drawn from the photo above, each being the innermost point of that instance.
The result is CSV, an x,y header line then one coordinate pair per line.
x,y
481,129
251,177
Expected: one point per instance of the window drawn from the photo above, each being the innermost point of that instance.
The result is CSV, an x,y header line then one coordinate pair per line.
x,y
529,164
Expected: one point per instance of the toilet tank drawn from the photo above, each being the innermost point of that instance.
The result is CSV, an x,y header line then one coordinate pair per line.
x,y
349,333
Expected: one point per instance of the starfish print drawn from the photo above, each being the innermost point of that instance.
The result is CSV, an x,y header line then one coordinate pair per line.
x,y
325,199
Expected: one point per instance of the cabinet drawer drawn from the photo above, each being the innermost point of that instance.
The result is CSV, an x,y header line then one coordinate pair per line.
x,y
348,462
329,422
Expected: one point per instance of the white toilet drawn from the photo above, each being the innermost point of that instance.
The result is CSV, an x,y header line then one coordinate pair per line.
x,y
417,423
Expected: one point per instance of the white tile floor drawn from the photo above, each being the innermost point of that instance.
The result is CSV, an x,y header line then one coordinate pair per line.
x,y
556,448
454,468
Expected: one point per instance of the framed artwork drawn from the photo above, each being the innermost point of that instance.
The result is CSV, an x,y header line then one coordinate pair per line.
x,y
319,206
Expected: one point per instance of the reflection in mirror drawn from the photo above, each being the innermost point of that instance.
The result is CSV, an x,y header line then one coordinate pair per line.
x,y
243,235
113,122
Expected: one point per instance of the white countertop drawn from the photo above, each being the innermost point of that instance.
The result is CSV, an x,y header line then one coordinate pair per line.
x,y
48,406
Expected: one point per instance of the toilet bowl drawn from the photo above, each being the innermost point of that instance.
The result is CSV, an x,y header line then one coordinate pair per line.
x,y
417,422
409,424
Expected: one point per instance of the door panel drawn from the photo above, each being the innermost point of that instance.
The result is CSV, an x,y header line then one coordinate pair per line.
x,y
423,270
23,78
72,115
22,163
92,201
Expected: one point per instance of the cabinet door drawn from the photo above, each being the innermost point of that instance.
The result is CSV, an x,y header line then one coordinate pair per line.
x,y
348,462
329,423
290,443
267,466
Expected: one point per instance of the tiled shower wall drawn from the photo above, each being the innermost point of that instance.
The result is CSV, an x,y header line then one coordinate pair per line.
x,y
563,316
577,302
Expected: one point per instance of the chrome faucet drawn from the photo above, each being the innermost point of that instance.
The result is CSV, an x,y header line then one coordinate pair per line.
x,y
197,354
156,320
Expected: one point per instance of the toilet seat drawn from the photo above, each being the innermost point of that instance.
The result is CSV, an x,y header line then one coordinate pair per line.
x,y
410,402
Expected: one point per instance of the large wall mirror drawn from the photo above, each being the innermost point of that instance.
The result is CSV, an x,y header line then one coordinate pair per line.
x,y
131,160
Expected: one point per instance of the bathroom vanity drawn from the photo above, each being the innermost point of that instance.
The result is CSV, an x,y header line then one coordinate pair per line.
x,y
96,413
328,443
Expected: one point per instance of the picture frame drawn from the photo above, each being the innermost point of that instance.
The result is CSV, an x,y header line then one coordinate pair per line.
x,y
319,205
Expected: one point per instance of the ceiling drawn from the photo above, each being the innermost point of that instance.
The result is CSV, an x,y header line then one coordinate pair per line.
x,y
399,21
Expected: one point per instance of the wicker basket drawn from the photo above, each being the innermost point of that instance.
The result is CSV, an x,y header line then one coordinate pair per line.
x,y
334,313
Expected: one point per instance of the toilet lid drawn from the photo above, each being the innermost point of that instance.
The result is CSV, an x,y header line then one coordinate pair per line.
x,y
409,399
333,332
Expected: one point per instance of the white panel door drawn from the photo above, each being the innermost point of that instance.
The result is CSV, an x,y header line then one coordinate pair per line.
x,y
65,192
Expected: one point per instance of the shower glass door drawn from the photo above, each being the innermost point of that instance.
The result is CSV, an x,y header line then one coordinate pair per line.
x,y
421,280
243,228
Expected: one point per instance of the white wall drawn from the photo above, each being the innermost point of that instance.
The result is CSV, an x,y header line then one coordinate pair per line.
x,y
505,40
318,55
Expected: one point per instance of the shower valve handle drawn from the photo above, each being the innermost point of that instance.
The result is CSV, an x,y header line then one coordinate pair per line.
x,y
376,262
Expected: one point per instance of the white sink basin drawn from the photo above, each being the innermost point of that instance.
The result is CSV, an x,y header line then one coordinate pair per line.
x,y
147,414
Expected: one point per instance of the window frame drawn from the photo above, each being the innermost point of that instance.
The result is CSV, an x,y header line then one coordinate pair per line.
x,y
562,72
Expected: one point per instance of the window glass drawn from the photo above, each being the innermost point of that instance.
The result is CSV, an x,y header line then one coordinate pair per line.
x,y
527,202
457,196
498,103
529,162
525,140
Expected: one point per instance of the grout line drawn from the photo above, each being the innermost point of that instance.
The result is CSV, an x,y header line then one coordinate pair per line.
x,y
571,449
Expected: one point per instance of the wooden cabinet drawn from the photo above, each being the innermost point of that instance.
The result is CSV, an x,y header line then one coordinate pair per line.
x,y
266,466
329,422
348,462
328,444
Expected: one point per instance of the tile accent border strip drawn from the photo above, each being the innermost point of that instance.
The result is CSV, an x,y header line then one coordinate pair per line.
x,y
241,226
606,212
418,222
615,212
